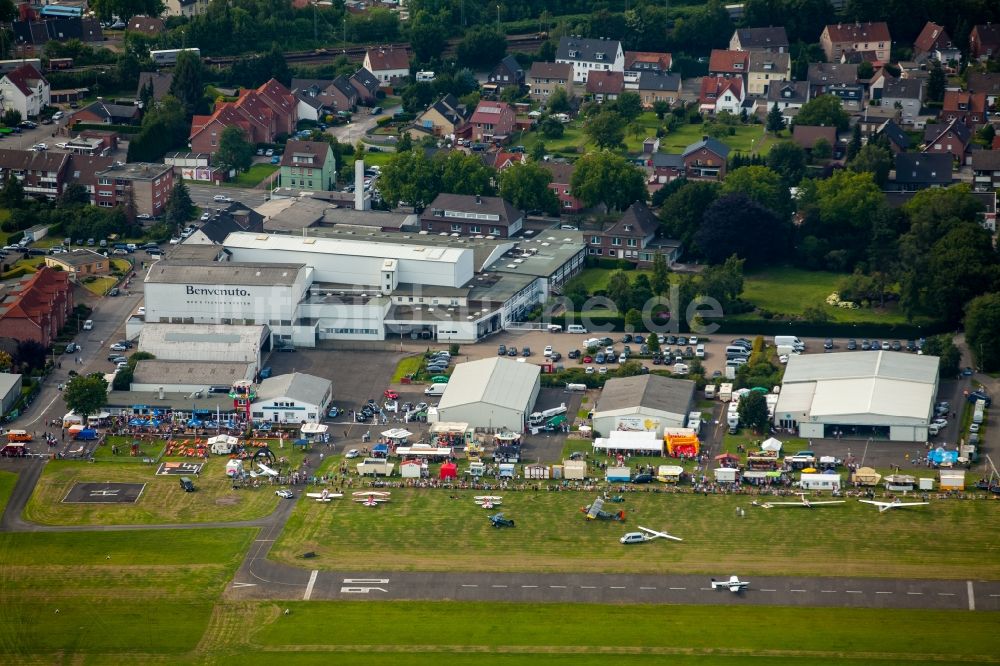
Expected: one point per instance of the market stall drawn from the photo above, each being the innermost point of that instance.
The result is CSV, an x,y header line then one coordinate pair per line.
x,y
636,442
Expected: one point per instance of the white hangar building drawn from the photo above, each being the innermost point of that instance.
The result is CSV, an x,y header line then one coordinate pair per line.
x,y
886,395
491,393
292,398
646,403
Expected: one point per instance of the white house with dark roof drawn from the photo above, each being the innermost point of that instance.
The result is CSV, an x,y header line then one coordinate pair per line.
x,y
769,40
588,55
24,90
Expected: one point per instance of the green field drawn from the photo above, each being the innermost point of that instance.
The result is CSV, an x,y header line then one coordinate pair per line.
x,y
746,139
253,176
7,481
596,279
552,535
407,366
162,501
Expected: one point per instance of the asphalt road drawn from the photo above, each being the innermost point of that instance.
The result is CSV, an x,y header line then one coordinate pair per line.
x,y
202,195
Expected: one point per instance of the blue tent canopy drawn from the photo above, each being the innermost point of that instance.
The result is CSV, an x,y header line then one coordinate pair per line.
x,y
301,442
195,423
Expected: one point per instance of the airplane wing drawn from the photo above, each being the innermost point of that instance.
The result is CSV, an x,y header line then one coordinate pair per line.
x,y
828,502
786,504
595,508
911,503
662,535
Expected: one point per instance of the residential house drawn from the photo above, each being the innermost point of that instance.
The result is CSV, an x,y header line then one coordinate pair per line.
x,y
984,41
387,65
308,165
632,238
160,81
905,95
367,85
36,306
603,86
765,40
105,113
42,174
965,107
952,137
24,90
186,8
545,77
80,262
899,141
507,73
822,76
767,69
308,107
262,114
83,170
492,121
721,94
851,95
146,25
562,175
728,63
919,171
705,159
654,87
807,136
145,186
874,117
235,217
986,170
647,61
667,167
934,43
788,95
844,39
314,96
587,55
470,215
987,83
32,35
445,117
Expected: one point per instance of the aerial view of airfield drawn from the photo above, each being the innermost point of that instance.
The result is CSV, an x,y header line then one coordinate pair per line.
x,y
393,331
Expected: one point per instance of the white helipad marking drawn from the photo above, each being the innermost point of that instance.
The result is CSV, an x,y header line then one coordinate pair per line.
x,y
796,590
309,585
678,588
883,593
828,591
972,595
853,591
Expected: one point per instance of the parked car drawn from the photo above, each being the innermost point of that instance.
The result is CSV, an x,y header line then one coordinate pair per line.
x,y
512,351
284,493
852,344
573,353
222,198
502,350
526,352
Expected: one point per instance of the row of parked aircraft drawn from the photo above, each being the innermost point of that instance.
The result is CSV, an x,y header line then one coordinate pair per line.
x,y
805,502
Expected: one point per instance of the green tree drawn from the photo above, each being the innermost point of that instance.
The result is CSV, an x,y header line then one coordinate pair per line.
x,y
604,177
660,282
724,282
854,147
982,331
526,185
628,106
775,119
481,48
633,320
824,110
235,152
762,185
463,173
12,194
753,412
188,84
558,101
789,160
683,211
822,149
606,129
875,160
86,394
427,36
653,343
619,289
551,128
838,215
409,178
944,348
723,231
180,207
75,194
985,135
404,144
936,83
866,70
125,9
661,108
12,117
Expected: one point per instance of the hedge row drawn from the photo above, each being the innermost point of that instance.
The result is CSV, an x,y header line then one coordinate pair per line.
x,y
121,129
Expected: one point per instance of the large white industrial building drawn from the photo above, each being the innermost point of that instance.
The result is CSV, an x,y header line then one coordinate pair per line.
x,y
646,403
496,393
886,395
371,286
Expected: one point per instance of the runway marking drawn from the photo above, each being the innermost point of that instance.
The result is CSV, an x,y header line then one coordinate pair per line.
x,y
237,586
653,588
854,591
995,595
468,585
767,589
796,590
972,595
946,594
883,593
828,591
617,587
259,540
706,588
529,586
588,587
914,593
558,587
309,585
498,586
678,588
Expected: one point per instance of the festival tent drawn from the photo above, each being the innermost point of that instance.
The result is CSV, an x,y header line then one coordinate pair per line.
x,y
669,473
380,451
629,440
867,476
727,457
86,433
449,470
410,469
771,444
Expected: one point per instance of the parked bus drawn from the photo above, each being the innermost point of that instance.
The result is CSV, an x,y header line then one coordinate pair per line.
x,y
60,63
169,56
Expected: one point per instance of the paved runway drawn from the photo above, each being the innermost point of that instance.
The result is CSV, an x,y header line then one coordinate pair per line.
x,y
259,578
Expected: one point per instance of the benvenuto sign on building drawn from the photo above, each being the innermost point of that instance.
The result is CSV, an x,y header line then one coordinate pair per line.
x,y
205,291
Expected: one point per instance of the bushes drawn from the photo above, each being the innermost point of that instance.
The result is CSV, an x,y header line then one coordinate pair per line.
x,y
20,271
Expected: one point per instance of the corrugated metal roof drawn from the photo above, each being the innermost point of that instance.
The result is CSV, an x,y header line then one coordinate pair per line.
x,y
495,381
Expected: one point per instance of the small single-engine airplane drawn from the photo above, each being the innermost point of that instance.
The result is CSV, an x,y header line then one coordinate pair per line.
x,y
371,497
264,471
489,501
646,535
325,496
595,510
497,520
895,504
803,502
734,584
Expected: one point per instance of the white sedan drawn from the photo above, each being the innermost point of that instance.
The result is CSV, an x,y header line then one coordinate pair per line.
x,y
285,493
353,453
548,351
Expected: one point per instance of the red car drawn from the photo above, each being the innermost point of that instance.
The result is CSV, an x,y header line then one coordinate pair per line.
x,y
391,395
587,359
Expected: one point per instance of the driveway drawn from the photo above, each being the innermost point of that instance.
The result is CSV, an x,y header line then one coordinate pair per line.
x,y
356,129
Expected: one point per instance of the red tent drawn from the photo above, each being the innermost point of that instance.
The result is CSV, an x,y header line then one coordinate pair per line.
x,y
449,470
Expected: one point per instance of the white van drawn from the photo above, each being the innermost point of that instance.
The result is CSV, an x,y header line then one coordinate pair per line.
x,y
435,389
88,325
576,328
789,340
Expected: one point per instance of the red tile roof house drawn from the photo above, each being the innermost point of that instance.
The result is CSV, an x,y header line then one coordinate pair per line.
x,y
953,137
492,121
387,65
984,41
36,306
605,85
967,108
562,174
262,114
728,63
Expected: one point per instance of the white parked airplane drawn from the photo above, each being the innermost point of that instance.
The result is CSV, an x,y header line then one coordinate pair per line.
x,y
895,504
325,496
371,498
803,502
734,584
489,501
266,471
646,535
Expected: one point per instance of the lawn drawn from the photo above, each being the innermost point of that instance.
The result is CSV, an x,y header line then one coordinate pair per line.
x,y
101,285
253,176
745,140
594,634
7,481
162,501
552,535
407,366
596,279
